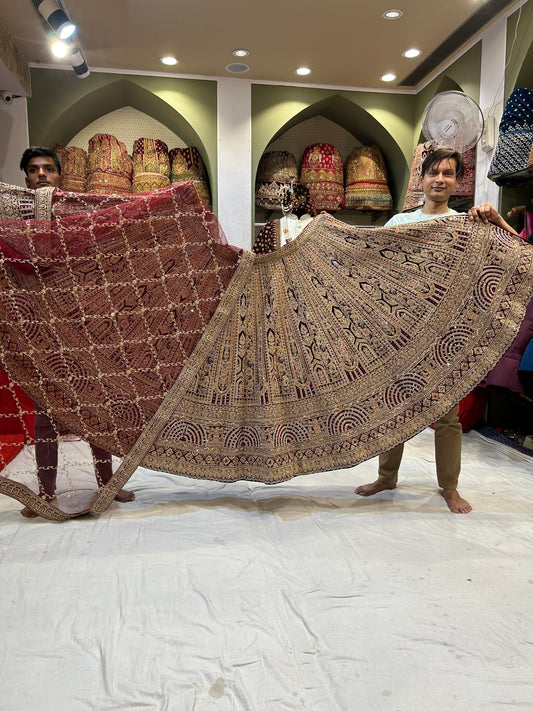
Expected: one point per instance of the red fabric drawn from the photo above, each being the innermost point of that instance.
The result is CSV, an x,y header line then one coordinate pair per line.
x,y
17,411
471,408
10,446
144,277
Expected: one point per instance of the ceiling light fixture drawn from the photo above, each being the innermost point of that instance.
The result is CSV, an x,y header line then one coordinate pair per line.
x,y
56,17
388,77
240,53
169,61
392,14
60,49
236,68
303,71
79,64
411,53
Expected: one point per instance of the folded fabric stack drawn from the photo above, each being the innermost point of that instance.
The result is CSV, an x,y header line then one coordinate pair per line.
x,y
58,150
277,178
414,196
366,180
467,185
17,203
109,166
73,169
187,164
151,165
515,139
322,175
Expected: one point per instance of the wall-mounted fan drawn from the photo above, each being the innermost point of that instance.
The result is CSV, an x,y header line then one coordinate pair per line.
x,y
453,119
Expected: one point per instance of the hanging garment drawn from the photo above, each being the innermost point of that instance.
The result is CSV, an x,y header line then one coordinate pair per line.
x,y
506,373
322,175
277,178
276,233
467,184
109,167
366,180
187,164
146,336
515,137
73,169
151,165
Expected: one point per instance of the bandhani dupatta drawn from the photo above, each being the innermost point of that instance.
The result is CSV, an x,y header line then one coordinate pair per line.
x,y
144,335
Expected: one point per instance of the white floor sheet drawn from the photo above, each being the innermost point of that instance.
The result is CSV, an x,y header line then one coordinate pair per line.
x,y
204,596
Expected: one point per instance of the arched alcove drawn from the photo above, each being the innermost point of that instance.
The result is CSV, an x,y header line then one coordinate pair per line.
x,y
360,124
127,125
116,95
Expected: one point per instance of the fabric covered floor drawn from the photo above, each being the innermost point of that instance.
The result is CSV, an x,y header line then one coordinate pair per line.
x,y
243,597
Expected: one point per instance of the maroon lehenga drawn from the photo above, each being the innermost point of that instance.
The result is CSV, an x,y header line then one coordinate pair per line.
x,y
139,330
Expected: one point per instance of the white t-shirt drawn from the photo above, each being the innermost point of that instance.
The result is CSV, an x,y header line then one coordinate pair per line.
x,y
403,218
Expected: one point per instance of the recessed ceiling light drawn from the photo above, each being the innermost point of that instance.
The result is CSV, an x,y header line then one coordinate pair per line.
x,y
392,14
240,52
60,49
237,68
411,53
170,61
388,77
303,71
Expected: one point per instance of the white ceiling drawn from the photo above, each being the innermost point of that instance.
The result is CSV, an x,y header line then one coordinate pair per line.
x,y
345,43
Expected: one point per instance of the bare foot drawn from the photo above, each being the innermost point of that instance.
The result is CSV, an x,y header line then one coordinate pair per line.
x,y
456,503
124,496
374,488
27,512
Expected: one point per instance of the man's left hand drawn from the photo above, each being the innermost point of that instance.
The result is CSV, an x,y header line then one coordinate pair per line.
x,y
487,213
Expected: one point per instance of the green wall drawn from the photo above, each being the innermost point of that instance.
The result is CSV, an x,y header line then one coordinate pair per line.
x,y
519,58
371,117
61,105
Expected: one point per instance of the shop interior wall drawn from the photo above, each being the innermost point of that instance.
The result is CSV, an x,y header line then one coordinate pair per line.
x,y
371,117
519,73
14,140
61,105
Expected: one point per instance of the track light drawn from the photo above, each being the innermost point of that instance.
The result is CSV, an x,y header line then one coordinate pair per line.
x,y
56,18
79,64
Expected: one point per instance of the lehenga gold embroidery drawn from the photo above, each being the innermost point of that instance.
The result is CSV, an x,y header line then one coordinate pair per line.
x,y
145,335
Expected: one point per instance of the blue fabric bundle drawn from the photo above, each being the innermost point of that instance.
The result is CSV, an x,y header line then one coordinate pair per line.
x,y
516,135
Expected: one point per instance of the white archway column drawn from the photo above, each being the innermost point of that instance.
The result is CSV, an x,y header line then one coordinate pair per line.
x,y
491,90
234,97
14,140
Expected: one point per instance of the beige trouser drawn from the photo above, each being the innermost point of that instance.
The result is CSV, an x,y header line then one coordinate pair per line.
x,y
448,436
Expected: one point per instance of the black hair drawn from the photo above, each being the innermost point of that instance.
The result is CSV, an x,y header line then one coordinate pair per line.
x,y
441,154
35,152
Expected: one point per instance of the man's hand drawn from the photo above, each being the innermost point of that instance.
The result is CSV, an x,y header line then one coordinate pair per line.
x,y
486,213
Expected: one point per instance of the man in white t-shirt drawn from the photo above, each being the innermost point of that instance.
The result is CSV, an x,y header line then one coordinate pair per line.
x,y
441,171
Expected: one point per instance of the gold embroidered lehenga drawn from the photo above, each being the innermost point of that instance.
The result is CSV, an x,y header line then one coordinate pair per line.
x,y
141,332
